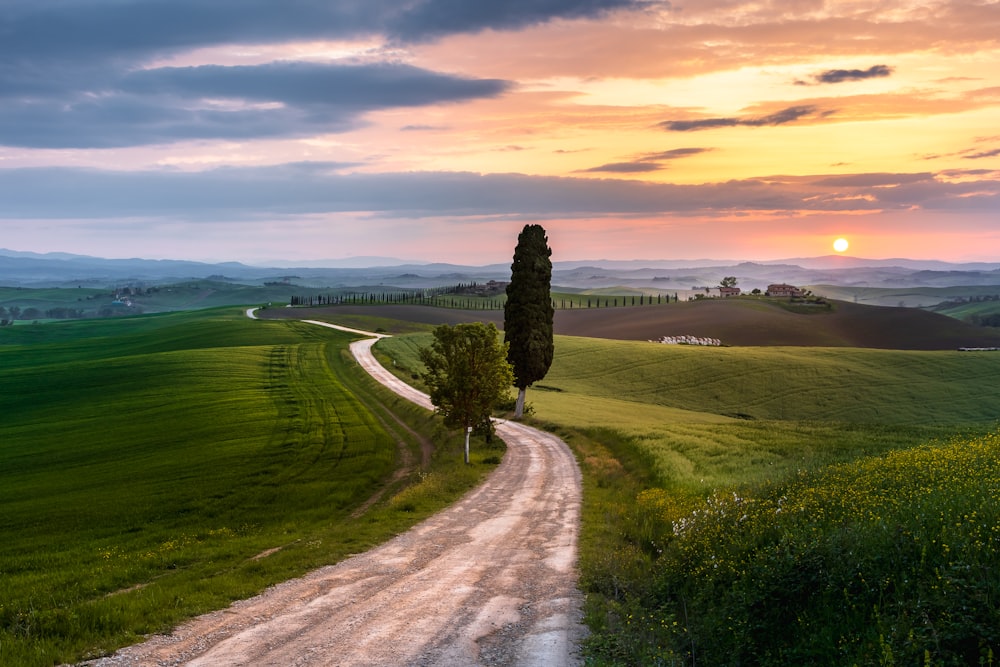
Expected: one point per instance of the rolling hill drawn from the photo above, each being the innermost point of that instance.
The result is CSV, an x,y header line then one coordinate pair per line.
x,y
739,322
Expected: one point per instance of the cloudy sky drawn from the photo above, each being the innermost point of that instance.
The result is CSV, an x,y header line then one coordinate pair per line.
x,y
302,130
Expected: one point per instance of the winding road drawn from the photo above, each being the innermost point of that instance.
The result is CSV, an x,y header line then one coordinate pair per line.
x,y
489,581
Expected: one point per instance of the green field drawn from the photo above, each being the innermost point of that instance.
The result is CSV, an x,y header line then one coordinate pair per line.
x,y
145,462
157,467
89,302
975,311
907,297
714,417
670,435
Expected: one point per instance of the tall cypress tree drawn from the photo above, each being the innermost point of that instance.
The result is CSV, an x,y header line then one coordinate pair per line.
x,y
527,314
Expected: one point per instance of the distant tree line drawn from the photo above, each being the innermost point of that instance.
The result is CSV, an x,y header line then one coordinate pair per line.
x,y
354,298
62,313
9,315
976,319
451,297
992,320
976,299
614,302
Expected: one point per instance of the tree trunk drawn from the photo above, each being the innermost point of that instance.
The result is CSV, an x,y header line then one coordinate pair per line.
x,y
519,406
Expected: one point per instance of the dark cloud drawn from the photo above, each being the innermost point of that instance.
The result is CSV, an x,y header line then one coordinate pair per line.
x,y
646,162
701,124
130,29
434,18
359,87
965,173
977,156
129,121
98,30
841,75
273,100
73,72
322,188
789,115
876,180
674,154
624,168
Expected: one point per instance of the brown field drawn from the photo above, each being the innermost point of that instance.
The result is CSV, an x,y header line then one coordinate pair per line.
x,y
739,322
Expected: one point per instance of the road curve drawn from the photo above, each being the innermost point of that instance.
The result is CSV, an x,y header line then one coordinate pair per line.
x,y
488,581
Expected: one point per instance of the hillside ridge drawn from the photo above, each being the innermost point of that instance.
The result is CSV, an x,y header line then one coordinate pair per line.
x,y
737,322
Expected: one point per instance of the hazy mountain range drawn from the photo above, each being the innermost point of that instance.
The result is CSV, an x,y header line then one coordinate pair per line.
x,y
28,269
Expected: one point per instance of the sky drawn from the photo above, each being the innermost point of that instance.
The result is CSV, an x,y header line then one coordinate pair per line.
x,y
434,130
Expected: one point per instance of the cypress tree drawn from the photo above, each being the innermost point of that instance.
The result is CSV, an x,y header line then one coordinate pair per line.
x,y
528,312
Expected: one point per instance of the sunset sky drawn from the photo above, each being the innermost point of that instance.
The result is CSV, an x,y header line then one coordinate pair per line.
x,y
433,130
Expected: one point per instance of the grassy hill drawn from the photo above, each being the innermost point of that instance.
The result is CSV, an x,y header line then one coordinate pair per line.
x,y
93,302
737,322
148,464
972,311
157,467
710,416
778,505
752,322
906,296
847,385
743,321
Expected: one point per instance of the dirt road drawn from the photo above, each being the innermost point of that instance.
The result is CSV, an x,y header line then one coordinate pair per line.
x,y
489,581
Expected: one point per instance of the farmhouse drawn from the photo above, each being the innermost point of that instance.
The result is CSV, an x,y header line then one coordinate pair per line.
x,y
491,288
726,292
781,289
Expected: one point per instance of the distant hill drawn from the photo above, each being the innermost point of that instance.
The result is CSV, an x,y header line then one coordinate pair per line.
x,y
748,322
847,262
909,296
739,322
667,275
65,270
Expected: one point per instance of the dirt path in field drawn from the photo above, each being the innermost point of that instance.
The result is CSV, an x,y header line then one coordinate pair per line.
x,y
489,581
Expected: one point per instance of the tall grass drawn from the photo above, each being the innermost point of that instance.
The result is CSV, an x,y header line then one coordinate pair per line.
x,y
887,560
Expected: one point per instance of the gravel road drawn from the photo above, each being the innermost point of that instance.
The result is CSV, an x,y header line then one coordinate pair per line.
x,y
489,581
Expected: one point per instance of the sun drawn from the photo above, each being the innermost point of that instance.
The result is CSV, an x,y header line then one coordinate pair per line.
x,y
840,245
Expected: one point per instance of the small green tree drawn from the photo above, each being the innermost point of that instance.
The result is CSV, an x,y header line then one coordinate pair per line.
x,y
728,281
467,373
528,312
